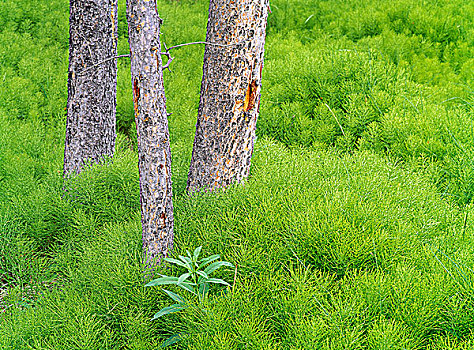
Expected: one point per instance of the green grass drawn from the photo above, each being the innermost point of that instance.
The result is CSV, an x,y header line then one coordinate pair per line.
x,y
352,232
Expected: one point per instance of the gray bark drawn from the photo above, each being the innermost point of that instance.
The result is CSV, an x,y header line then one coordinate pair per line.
x,y
154,156
90,125
230,94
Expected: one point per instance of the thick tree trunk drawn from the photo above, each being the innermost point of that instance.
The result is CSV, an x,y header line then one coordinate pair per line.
x,y
154,156
90,126
230,94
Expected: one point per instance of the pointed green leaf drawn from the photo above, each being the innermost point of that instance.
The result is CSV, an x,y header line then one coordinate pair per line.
x,y
175,297
183,277
215,265
186,260
189,254
188,286
171,340
203,274
208,260
162,281
203,288
217,280
196,253
175,261
168,310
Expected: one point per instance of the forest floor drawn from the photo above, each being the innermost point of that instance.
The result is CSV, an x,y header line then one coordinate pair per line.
x,y
354,230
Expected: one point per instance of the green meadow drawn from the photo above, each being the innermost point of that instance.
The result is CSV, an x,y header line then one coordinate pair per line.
x,y
355,229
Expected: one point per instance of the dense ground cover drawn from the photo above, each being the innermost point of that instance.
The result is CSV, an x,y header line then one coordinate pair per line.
x,y
354,230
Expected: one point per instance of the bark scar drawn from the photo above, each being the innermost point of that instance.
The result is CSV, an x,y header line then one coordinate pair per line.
x,y
163,220
136,95
251,96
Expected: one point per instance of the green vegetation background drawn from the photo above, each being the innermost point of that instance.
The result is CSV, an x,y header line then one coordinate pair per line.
x,y
354,230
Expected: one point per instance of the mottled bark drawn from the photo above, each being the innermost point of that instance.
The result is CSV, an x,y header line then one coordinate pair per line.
x,y
90,125
230,94
154,156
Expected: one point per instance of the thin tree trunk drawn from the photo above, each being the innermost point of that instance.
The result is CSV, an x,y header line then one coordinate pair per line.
x,y
154,156
90,125
230,94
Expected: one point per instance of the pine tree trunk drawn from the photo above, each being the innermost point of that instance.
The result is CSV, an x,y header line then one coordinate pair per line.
x,y
90,125
154,156
230,94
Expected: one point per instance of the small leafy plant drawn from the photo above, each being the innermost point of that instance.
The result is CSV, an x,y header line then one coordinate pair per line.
x,y
196,280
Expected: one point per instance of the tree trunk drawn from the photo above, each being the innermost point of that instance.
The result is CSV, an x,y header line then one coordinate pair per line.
x,y
90,125
230,94
154,156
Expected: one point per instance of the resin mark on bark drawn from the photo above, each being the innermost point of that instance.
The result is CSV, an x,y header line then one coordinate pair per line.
x,y
251,96
113,25
136,95
163,220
